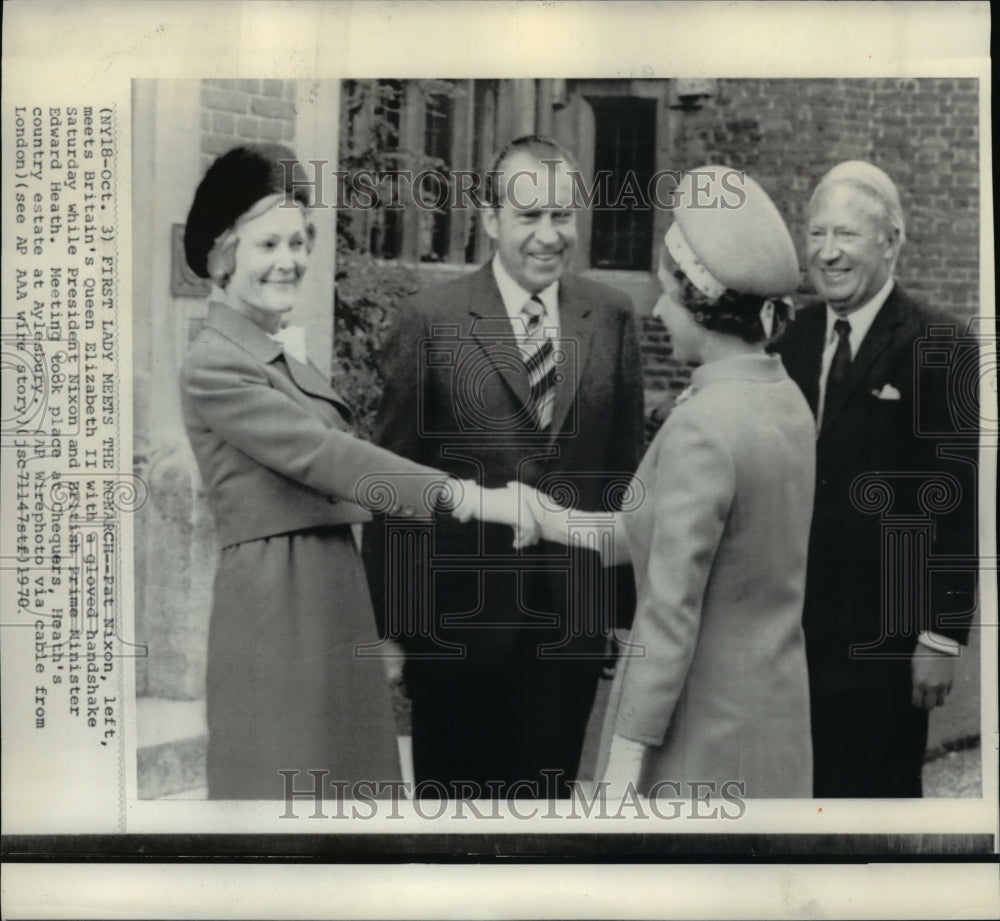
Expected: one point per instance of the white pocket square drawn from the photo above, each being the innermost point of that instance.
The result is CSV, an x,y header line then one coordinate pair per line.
x,y
888,392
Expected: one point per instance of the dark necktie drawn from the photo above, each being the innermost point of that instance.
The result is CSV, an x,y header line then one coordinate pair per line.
x,y
841,361
539,362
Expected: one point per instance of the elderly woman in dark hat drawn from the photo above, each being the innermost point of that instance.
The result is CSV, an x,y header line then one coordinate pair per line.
x,y
713,685
286,479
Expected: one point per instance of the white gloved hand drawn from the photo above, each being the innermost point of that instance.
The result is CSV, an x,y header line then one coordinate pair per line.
x,y
552,518
497,506
466,500
625,758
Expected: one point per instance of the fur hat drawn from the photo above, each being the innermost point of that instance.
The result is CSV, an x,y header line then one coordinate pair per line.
x,y
234,183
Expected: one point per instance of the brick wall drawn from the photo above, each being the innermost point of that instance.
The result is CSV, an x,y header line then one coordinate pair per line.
x,y
239,111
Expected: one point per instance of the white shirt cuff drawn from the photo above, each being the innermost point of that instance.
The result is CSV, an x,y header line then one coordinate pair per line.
x,y
939,643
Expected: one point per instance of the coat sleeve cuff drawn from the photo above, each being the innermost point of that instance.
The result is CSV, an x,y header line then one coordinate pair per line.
x,y
939,643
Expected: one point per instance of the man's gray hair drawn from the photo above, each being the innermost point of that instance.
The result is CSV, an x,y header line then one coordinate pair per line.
x,y
875,182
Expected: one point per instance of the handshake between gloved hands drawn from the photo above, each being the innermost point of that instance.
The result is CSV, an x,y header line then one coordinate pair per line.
x,y
532,514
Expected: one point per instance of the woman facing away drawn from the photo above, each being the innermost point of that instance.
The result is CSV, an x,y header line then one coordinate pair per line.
x,y
286,478
713,685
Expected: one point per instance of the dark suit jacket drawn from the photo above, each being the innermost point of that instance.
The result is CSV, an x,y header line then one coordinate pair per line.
x,y
895,507
455,396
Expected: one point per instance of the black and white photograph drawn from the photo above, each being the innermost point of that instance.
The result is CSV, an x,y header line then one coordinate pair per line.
x,y
566,457
514,652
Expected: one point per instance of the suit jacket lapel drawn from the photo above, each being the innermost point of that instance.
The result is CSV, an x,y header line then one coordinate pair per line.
x,y
309,380
802,351
878,339
491,328
575,333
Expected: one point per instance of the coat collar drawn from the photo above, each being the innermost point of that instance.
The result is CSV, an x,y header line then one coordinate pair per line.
x,y
766,369
491,328
251,338
243,331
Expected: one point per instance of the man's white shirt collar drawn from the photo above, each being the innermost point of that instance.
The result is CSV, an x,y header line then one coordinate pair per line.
x,y
515,297
860,319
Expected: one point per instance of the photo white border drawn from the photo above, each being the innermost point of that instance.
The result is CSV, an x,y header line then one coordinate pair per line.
x,y
93,49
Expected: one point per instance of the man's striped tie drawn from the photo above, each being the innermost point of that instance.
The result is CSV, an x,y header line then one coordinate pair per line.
x,y
539,361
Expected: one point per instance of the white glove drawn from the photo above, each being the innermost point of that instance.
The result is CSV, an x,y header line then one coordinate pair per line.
x,y
624,766
552,518
497,506
466,501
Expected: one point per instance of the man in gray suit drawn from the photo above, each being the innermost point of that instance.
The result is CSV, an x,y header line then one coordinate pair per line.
x,y
517,371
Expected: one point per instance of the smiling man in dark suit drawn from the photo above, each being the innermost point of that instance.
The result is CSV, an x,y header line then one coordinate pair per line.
x,y
886,611
517,371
